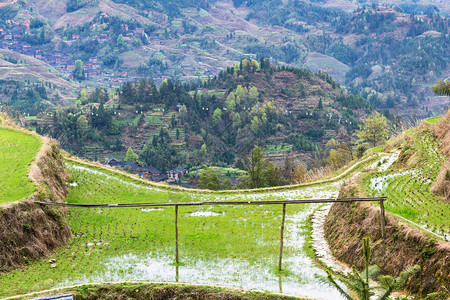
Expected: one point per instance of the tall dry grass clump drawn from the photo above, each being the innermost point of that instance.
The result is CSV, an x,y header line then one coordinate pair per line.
x,y
441,185
442,132
29,231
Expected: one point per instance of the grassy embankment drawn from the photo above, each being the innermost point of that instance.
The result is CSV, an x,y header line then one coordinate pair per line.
x,y
145,290
133,243
18,150
407,183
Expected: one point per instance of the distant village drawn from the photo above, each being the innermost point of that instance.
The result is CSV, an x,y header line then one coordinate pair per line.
x,y
149,172
11,39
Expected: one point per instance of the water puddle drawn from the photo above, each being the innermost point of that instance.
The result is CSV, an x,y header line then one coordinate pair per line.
x,y
205,214
151,209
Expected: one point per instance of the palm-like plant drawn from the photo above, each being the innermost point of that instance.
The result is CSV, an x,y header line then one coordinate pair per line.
x,y
357,283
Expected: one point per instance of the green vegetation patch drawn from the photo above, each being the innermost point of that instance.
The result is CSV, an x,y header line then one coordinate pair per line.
x,y
111,244
17,152
377,149
408,188
153,119
434,120
134,290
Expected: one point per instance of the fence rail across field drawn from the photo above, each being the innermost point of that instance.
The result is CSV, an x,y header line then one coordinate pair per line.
x,y
272,202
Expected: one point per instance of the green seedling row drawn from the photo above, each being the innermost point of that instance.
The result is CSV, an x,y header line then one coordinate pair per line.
x,y
408,189
18,150
100,236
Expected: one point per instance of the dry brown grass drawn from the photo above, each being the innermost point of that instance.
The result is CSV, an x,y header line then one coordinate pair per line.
x,y
403,246
441,185
29,231
442,132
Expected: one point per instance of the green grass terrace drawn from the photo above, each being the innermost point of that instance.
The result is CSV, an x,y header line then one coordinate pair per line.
x,y
18,150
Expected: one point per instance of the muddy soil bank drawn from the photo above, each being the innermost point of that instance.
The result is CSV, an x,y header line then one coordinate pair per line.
x,y
150,290
29,231
404,246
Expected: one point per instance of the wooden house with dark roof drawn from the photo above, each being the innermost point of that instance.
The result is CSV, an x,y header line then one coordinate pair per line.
x,y
176,173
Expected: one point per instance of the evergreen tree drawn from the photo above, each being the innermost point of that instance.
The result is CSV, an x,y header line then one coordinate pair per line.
x,y
131,156
78,70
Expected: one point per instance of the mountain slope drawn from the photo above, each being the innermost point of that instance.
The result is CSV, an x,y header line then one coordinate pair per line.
x,y
285,110
393,55
30,85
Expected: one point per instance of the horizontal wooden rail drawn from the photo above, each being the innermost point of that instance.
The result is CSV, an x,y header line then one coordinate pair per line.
x,y
270,202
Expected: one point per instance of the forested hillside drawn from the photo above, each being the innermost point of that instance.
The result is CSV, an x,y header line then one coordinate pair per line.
x,y
284,110
388,54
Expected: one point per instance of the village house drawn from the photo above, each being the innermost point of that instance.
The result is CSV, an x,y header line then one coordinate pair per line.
x,y
134,167
139,31
176,173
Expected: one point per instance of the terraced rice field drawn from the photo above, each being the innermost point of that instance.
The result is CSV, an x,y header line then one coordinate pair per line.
x,y
408,191
223,245
17,151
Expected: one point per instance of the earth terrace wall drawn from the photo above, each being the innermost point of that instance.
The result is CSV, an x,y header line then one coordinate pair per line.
x,y
159,290
441,185
340,174
404,246
29,231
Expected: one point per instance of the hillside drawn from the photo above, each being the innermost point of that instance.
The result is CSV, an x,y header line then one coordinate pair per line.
x,y
31,85
137,243
31,168
388,54
284,110
416,187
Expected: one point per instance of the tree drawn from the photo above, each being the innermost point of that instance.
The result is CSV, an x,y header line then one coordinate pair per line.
x,y
82,125
358,282
375,129
78,70
217,117
253,93
240,91
211,179
261,173
340,156
120,40
442,87
320,105
83,96
237,122
131,156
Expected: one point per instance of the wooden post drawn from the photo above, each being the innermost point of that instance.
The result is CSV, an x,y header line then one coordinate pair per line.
x,y
281,237
383,232
280,284
176,234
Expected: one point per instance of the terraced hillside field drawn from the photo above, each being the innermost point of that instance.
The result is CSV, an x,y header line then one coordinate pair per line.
x,y
219,245
223,245
18,150
407,184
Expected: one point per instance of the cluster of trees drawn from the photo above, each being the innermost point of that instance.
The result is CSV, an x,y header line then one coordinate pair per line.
x,y
262,172
219,128
26,97
75,129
